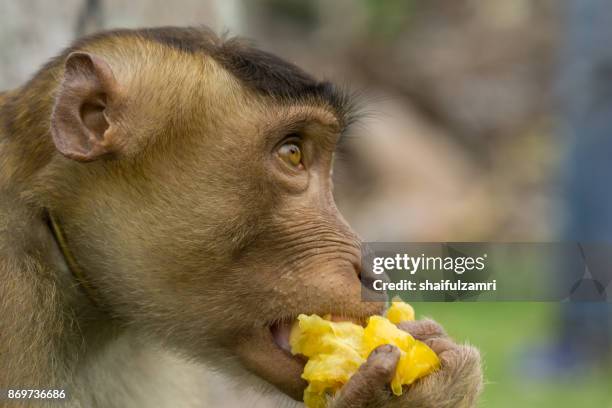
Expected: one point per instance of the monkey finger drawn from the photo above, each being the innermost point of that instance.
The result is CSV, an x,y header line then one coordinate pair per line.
x,y
441,345
370,384
423,329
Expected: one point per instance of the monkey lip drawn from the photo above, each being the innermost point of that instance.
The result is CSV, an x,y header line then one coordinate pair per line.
x,y
266,352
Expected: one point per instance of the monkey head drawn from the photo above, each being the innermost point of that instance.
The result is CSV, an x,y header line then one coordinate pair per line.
x,y
192,181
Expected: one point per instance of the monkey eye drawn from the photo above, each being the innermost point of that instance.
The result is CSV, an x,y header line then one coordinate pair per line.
x,y
291,154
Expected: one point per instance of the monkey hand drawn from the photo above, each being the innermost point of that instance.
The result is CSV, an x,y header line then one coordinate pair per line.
x,y
456,384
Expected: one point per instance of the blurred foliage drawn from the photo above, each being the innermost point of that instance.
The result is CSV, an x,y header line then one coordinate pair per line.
x,y
386,19
302,13
504,332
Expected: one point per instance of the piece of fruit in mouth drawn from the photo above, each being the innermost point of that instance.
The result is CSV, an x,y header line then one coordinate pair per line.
x,y
335,350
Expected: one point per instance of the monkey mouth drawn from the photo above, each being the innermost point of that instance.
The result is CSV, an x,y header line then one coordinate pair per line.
x,y
266,352
281,331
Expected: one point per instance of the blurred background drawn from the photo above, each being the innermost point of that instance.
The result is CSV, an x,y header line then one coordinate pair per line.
x,y
485,121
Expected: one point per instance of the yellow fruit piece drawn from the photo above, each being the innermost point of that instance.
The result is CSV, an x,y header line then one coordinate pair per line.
x,y
399,311
335,350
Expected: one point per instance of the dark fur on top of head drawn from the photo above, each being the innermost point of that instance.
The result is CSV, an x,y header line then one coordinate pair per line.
x,y
256,69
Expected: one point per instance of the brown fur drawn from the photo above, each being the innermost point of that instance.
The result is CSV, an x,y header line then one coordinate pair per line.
x,y
194,234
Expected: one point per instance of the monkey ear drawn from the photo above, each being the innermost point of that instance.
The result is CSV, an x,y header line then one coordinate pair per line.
x,y
82,120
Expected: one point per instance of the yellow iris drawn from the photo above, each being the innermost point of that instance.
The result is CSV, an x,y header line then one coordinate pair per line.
x,y
335,350
291,153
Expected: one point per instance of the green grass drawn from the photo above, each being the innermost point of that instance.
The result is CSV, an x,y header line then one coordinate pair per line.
x,y
503,331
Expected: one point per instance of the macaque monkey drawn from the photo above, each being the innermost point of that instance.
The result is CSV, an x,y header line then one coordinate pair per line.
x,y
166,203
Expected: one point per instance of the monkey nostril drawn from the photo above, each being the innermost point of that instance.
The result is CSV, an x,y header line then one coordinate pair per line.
x,y
357,266
367,282
362,271
365,271
365,276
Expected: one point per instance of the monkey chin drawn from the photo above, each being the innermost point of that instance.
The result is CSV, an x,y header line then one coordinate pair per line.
x,y
261,354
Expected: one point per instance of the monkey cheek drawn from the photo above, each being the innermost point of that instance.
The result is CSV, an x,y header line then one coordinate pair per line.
x,y
260,355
